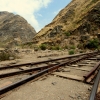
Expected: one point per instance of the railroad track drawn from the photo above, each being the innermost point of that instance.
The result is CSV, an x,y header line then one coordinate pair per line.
x,y
20,74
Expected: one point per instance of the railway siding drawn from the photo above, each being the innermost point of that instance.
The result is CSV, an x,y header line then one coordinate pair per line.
x,y
72,68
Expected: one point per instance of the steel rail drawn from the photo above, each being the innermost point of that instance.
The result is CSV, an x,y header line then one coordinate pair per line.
x,y
95,87
32,69
25,80
40,62
92,71
25,71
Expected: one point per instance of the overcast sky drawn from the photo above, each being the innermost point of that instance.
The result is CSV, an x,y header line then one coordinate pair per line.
x,y
37,12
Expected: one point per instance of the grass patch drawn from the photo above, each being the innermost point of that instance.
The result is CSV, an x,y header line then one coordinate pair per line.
x,y
71,52
55,48
66,47
43,46
6,56
67,34
72,47
93,44
94,1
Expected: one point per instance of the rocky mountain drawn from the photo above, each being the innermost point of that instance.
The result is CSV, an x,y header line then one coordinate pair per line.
x,y
14,30
76,25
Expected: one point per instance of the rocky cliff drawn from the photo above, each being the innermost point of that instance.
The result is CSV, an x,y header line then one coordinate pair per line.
x,y
77,23
14,29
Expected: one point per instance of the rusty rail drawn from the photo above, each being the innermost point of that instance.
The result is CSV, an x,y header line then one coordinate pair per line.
x,y
92,71
25,71
23,81
33,69
95,87
40,62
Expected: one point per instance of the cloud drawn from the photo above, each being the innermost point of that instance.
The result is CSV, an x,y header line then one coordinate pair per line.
x,y
39,15
25,8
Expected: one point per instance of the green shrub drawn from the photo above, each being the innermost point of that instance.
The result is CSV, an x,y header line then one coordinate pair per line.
x,y
66,47
43,46
94,1
72,47
52,48
71,52
55,48
98,48
67,33
92,44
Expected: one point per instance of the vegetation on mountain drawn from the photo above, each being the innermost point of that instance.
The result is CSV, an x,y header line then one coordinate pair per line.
x,y
77,24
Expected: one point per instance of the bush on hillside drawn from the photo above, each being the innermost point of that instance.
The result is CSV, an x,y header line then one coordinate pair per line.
x,y
72,47
55,48
6,56
92,44
71,52
67,33
43,46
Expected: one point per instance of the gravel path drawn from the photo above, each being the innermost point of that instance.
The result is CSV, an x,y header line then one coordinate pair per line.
x,y
51,88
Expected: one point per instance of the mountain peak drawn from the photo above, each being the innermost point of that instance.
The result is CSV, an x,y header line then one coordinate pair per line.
x,y
14,28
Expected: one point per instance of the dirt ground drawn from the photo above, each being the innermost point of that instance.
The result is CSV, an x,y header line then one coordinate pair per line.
x,y
29,55
49,87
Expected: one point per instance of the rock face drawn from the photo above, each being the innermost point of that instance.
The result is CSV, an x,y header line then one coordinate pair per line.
x,y
81,18
14,29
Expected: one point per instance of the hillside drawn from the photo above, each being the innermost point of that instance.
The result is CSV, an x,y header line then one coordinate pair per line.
x,y
76,24
14,30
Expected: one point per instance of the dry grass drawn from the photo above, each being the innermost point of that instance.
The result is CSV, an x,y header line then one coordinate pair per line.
x,y
6,55
79,9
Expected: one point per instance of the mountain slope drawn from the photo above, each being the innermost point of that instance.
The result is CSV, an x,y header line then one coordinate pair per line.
x,y
14,29
78,22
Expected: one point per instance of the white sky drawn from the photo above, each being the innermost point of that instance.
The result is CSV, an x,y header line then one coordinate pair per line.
x,y
38,13
25,8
